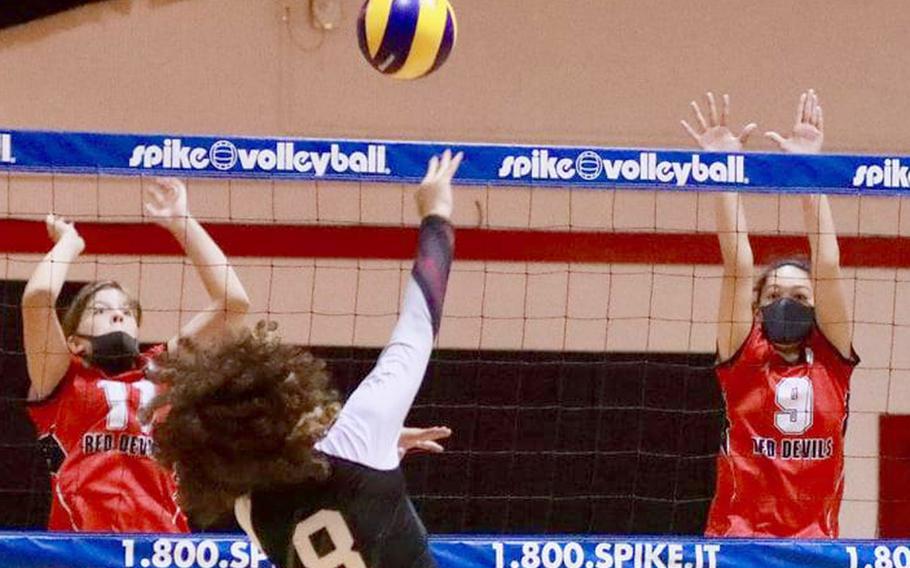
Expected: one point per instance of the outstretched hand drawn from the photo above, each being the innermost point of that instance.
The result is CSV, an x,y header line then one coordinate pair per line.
x,y
165,202
808,131
59,229
422,440
435,194
713,133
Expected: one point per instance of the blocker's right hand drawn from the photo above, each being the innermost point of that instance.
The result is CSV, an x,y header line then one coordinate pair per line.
x,y
59,229
435,194
713,134
165,202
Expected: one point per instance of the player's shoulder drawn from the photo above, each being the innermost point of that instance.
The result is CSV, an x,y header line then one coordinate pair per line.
x,y
77,371
830,356
346,481
344,472
753,348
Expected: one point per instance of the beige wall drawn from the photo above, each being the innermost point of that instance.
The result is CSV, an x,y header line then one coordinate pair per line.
x,y
581,71
587,71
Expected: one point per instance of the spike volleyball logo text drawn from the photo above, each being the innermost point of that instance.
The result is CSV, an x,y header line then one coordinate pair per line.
x,y
545,164
224,155
890,174
406,39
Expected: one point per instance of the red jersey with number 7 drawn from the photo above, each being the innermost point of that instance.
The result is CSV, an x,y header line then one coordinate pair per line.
x,y
103,474
780,472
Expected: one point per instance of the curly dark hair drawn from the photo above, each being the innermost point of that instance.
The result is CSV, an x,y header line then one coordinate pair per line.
x,y
239,417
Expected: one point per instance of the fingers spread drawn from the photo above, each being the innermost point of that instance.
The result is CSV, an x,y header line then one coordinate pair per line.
x,y
747,131
801,108
699,116
431,447
712,108
432,168
811,101
725,110
690,130
777,138
453,166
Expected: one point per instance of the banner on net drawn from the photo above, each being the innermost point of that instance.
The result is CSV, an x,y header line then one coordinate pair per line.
x,y
485,164
42,550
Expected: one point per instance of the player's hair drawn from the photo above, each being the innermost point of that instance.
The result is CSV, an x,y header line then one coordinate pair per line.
x,y
240,417
799,261
86,294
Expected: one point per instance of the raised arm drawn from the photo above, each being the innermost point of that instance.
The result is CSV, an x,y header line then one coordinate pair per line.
x,y
832,309
46,352
734,318
369,428
166,203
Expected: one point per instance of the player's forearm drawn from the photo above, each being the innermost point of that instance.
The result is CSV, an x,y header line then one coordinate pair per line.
x,y
217,274
435,250
733,235
822,236
47,280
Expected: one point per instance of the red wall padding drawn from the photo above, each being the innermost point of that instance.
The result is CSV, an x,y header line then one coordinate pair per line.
x,y
894,476
311,241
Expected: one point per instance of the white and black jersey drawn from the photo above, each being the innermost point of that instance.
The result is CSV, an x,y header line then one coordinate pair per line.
x,y
361,515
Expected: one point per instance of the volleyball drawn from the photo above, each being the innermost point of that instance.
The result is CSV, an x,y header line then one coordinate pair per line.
x,y
406,39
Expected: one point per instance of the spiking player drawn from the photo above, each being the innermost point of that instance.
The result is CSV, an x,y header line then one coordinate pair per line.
x,y
785,357
253,427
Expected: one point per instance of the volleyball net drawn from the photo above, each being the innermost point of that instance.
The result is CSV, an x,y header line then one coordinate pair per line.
x,y
574,362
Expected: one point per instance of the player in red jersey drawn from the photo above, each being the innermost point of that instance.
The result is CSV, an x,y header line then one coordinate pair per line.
x,y
785,358
88,378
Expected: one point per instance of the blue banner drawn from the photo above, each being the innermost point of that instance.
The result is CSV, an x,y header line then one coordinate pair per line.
x,y
485,164
57,550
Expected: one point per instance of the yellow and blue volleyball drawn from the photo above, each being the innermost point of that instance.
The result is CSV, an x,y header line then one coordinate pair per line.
x,y
406,39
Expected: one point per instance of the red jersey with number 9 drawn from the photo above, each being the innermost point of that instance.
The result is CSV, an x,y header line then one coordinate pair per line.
x,y
103,474
781,470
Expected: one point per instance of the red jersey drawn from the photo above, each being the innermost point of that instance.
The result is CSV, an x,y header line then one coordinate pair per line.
x,y
105,478
781,472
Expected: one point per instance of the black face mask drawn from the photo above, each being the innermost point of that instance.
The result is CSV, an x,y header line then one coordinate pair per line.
x,y
114,352
787,321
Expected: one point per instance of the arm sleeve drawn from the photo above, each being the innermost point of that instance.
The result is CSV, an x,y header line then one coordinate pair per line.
x,y
367,429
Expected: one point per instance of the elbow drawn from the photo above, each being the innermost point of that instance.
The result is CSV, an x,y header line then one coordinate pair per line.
x,y
37,394
41,380
36,297
237,303
740,267
826,263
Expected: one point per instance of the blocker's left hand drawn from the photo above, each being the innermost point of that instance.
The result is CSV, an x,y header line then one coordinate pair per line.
x,y
422,440
808,131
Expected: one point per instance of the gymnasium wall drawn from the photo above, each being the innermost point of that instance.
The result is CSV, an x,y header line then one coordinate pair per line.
x,y
585,72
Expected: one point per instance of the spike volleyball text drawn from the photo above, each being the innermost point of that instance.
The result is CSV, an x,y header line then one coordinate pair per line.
x,y
544,164
890,174
224,155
